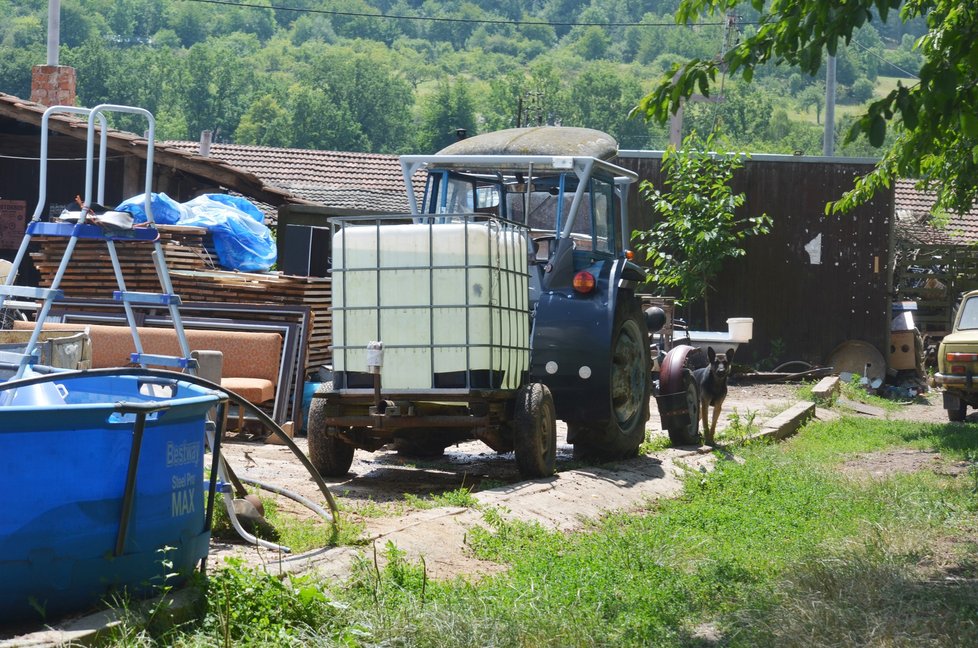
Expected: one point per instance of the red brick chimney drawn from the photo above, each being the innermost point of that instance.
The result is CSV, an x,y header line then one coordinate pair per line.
x,y
53,85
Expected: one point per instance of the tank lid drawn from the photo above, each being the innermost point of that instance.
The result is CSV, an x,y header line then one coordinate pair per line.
x,y
538,140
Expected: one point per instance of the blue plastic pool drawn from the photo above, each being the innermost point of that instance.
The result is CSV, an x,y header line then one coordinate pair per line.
x,y
65,469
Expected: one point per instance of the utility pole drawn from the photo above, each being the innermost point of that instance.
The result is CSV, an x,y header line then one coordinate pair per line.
x,y
828,139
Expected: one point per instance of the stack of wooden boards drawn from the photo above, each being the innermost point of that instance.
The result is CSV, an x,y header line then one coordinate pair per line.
x,y
89,273
195,278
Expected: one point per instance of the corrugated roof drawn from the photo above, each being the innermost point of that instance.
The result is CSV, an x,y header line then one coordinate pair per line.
x,y
369,181
913,219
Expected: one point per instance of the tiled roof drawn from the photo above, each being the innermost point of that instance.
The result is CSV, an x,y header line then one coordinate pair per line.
x,y
913,212
370,181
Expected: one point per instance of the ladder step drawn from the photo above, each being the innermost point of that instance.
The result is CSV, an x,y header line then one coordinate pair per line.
x,y
10,303
163,360
132,297
18,359
31,292
91,231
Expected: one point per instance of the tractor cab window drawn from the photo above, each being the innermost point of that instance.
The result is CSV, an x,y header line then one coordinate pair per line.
x,y
602,216
448,193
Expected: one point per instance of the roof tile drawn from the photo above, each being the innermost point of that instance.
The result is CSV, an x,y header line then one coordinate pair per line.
x,y
913,219
344,179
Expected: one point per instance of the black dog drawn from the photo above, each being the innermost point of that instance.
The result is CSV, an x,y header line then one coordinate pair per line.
x,y
712,383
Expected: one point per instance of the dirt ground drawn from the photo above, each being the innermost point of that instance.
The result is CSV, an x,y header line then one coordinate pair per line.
x,y
374,492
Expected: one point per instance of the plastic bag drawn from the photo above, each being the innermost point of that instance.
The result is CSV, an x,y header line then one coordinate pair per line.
x,y
166,211
243,204
241,239
241,242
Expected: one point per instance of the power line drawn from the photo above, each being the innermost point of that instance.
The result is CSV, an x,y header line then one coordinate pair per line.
x,y
478,21
880,58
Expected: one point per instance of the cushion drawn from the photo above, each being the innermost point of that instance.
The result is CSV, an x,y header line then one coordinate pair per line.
x,y
254,390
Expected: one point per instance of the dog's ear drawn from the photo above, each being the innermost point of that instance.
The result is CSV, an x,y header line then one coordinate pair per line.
x,y
711,354
730,353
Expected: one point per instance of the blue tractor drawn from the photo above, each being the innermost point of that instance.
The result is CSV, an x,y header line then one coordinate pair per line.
x,y
504,301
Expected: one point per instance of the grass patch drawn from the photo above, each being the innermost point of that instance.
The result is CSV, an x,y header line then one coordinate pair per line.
x,y
654,443
299,533
779,549
461,497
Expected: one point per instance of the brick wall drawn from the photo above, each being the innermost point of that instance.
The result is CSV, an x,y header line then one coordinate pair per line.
x,y
53,85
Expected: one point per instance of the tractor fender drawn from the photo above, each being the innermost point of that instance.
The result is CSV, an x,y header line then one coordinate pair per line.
x,y
671,373
571,343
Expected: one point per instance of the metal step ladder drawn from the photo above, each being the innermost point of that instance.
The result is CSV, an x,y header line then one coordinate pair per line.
x,y
87,228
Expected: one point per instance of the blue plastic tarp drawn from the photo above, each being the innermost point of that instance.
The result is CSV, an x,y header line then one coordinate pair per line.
x,y
241,239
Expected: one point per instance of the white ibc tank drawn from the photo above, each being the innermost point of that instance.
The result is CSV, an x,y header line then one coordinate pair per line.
x,y
442,297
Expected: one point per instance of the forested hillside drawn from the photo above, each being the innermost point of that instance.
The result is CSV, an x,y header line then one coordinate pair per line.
x,y
402,75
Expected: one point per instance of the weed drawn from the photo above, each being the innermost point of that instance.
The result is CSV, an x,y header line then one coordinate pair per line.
x,y
489,484
856,390
653,444
776,353
972,459
461,497
372,509
248,605
739,426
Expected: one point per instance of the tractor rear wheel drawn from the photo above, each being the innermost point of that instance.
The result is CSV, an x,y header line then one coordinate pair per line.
x,y
630,391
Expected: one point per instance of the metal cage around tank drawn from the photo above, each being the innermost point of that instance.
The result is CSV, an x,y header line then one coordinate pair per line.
x,y
447,296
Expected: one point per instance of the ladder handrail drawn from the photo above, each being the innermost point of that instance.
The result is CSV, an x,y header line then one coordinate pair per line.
x,y
89,163
43,179
158,258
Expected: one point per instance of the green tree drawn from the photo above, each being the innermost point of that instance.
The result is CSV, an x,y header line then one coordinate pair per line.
x,y
600,98
591,42
443,112
218,84
935,122
15,69
813,96
366,88
700,227
318,122
265,123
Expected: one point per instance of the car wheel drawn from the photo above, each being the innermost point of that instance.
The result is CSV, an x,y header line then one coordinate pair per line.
x,y
958,414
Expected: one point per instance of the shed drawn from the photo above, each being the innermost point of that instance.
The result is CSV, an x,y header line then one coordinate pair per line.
x,y
936,258
815,281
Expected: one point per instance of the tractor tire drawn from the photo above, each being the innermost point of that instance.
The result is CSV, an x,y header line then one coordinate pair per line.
x,y
331,456
535,431
630,391
687,435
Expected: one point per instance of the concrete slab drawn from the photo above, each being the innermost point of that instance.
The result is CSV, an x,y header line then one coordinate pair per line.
x,y
826,390
787,422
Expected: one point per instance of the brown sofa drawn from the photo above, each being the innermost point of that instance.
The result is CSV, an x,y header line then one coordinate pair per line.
x,y
251,361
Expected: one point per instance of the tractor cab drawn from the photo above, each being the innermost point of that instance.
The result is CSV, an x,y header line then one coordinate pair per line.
x,y
573,206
